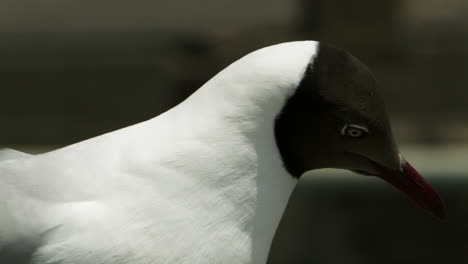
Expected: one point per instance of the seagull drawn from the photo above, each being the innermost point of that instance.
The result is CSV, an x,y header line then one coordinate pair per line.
x,y
208,180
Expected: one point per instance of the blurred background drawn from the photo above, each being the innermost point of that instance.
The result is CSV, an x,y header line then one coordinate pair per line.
x,y
70,70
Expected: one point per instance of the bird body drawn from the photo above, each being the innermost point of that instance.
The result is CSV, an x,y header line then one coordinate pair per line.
x,y
201,183
208,180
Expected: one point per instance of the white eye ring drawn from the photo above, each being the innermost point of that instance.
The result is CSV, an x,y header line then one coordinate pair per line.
x,y
353,130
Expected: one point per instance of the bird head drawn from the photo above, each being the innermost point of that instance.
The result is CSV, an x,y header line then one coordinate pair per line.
x,y
337,119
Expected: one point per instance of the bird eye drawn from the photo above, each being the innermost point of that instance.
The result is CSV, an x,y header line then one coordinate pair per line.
x,y
354,131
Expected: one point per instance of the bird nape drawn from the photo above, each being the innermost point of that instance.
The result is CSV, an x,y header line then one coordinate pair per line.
x,y
208,180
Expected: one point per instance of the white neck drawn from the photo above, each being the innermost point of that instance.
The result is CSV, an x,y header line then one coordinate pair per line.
x,y
201,183
236,199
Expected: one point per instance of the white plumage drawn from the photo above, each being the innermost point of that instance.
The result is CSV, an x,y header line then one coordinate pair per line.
x,y
201,183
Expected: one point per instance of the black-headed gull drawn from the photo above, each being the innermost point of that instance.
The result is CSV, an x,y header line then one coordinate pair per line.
x,y
208,180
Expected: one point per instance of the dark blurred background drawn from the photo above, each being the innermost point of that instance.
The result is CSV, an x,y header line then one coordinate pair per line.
x,y
70,70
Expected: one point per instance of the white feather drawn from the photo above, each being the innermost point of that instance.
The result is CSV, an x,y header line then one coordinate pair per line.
x,y
201,183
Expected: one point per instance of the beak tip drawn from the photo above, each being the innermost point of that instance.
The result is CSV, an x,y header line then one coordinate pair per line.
x,y
439,212
410,182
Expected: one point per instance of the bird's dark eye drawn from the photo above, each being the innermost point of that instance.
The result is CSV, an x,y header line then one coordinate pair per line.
x,y
354,131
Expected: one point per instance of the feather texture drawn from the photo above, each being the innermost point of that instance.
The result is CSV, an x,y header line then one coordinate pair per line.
x,y
201,183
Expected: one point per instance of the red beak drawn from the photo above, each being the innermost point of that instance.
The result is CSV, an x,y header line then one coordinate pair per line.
x,y
411,183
